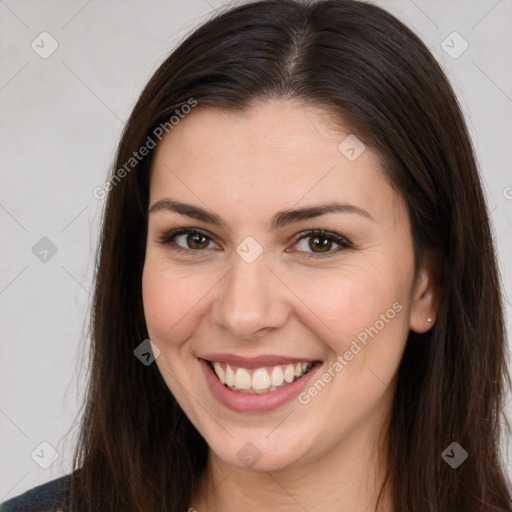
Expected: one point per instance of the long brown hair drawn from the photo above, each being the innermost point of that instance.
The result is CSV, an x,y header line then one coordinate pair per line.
x,y
137,450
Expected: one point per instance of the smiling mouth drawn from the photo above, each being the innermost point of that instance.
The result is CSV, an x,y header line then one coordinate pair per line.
x,y
260,380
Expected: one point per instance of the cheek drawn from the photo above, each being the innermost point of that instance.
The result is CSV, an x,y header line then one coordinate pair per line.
x,y
172,301
367,316
348,302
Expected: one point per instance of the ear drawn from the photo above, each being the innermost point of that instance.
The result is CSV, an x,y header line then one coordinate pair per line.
x,y
424,299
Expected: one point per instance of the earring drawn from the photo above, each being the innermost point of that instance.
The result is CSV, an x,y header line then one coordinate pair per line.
x,y
429,320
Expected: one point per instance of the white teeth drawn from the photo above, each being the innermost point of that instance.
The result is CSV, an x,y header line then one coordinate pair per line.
x,y
261,381
242,379
277,377
289,373
220,372
230,376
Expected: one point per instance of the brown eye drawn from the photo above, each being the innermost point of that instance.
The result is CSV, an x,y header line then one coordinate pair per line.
x,y
196,241
321,243
186,240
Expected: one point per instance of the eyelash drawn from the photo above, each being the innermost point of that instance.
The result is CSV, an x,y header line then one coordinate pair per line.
x,y
168,240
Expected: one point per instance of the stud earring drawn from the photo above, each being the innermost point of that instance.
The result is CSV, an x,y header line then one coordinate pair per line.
x,y
429,320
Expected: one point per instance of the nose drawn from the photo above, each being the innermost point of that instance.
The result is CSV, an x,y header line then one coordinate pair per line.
x,y
251,301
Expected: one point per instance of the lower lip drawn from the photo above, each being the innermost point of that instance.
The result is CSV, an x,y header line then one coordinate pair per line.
x,y
244,402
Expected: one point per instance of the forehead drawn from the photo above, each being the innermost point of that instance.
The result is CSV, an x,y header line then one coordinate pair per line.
x,y
275,154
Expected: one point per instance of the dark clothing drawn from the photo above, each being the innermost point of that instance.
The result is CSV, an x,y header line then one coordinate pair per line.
x,y
49,497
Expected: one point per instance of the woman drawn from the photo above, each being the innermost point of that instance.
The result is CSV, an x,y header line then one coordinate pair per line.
x,y
296,222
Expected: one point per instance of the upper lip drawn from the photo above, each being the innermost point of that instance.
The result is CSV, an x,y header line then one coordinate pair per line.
x,y
254,362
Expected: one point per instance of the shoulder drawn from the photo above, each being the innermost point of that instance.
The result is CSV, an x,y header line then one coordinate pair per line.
x,y
49,497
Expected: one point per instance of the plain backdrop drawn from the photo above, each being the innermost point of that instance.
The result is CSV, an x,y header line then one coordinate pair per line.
x,y
60,120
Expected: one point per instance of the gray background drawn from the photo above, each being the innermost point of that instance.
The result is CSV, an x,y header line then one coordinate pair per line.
x,y
61,118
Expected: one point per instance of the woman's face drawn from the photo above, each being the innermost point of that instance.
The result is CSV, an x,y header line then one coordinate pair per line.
x,y
263,299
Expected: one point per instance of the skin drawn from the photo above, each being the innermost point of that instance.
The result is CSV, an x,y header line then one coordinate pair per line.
x,y
323,455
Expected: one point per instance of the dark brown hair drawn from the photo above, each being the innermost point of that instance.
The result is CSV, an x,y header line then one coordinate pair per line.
x,y
137,450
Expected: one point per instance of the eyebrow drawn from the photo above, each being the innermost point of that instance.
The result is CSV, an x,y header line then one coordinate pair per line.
x,y
279,220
